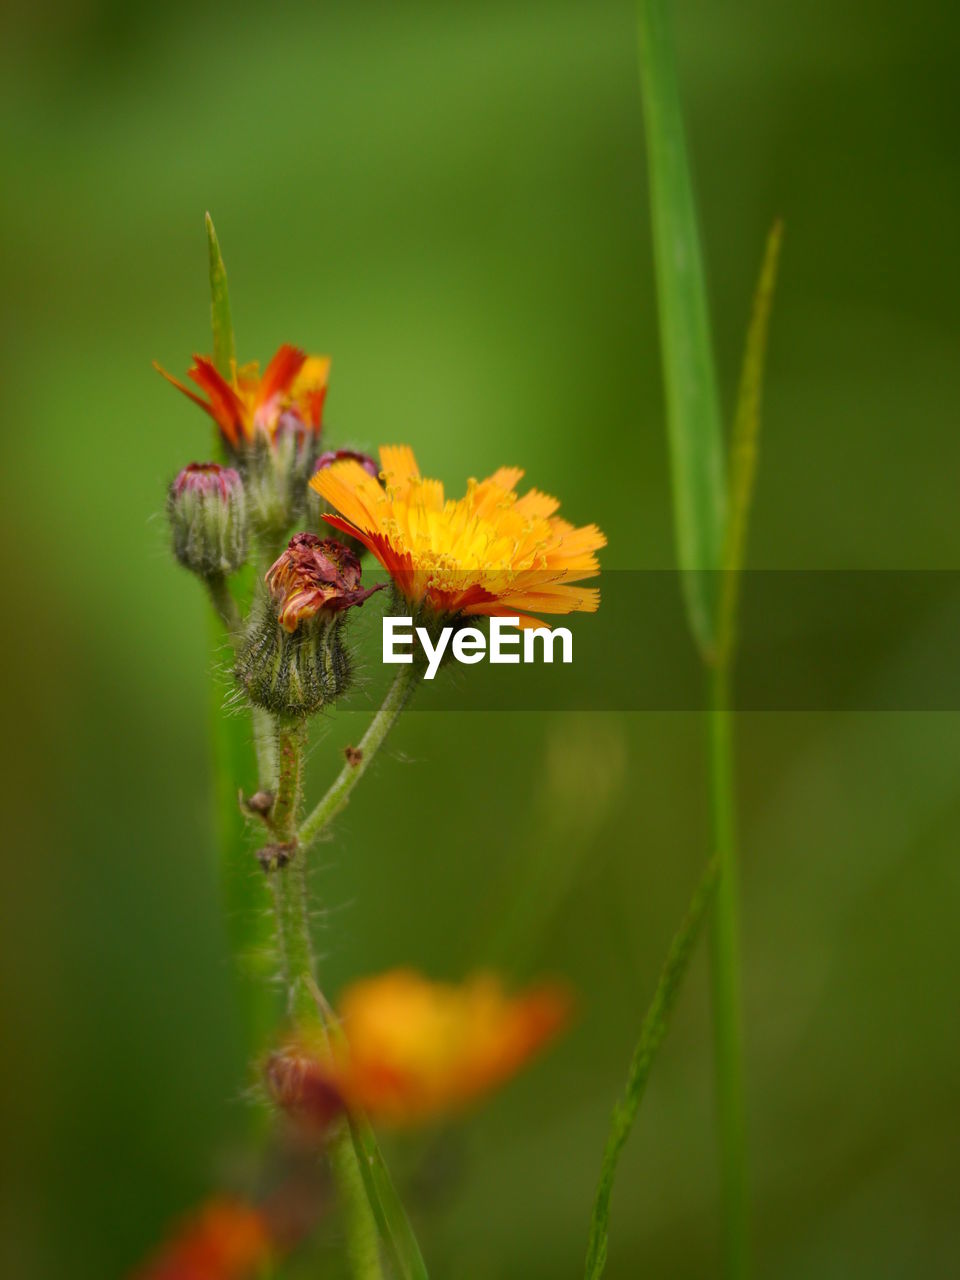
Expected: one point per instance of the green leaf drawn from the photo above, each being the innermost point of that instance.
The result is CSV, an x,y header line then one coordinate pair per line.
x,y
652,1032
744,446
692,403
395,1228
224,351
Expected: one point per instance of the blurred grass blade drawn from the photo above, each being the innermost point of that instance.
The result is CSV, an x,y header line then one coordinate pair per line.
x,y
743,447
224,351
395,1228
690,384
652,1032
244,889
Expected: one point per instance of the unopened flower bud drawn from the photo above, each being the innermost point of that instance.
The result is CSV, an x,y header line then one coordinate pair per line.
x,y
294,660
207,509
331,456
301,1080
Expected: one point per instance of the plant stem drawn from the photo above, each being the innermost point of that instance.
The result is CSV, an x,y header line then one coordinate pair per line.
x,y
265,746
651,1036
291,740
337,796
727,1006
224,603
289,884
362,1248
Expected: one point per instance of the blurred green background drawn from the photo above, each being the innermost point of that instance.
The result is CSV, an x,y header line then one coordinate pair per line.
x,y
451,200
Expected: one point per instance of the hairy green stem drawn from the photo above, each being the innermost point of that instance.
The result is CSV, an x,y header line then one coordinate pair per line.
x,y
651,1036
265,747
727,1001
291,741
288,876
339,793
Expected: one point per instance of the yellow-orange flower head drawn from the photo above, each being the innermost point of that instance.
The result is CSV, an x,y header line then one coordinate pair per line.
x,y
414,1049
490,552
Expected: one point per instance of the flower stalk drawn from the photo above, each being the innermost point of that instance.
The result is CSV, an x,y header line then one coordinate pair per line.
x,y
285,864
338,795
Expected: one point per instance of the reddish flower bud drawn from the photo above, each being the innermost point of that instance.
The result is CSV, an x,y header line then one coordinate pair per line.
x,y
300,1081
206,506
337,455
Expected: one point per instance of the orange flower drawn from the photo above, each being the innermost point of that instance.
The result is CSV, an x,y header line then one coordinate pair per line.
x,y
415,1049
292,390
225,1240
490,552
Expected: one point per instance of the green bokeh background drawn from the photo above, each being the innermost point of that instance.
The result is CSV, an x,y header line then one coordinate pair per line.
x,y
451,199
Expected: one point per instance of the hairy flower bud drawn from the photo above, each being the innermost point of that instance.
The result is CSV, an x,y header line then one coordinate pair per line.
x,y
331,456
300,1080
207,509
293,661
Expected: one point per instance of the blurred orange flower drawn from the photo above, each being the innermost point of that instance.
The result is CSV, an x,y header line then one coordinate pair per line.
x,y
490,552
224,1240
415,1049
292,391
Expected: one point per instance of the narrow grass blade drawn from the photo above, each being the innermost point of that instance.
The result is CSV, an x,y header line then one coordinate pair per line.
x,y
692,402
744,446
395,1228
224,351
245,896
652,1032
243,887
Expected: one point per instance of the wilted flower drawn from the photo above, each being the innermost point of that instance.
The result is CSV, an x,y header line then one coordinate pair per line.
x,y
490,552
225,1240
415,1049
270,424
313,574
207,510
293,660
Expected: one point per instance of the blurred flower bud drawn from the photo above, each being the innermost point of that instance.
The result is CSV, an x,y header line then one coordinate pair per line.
x,y
207,509
331,456
293,661
300,1079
